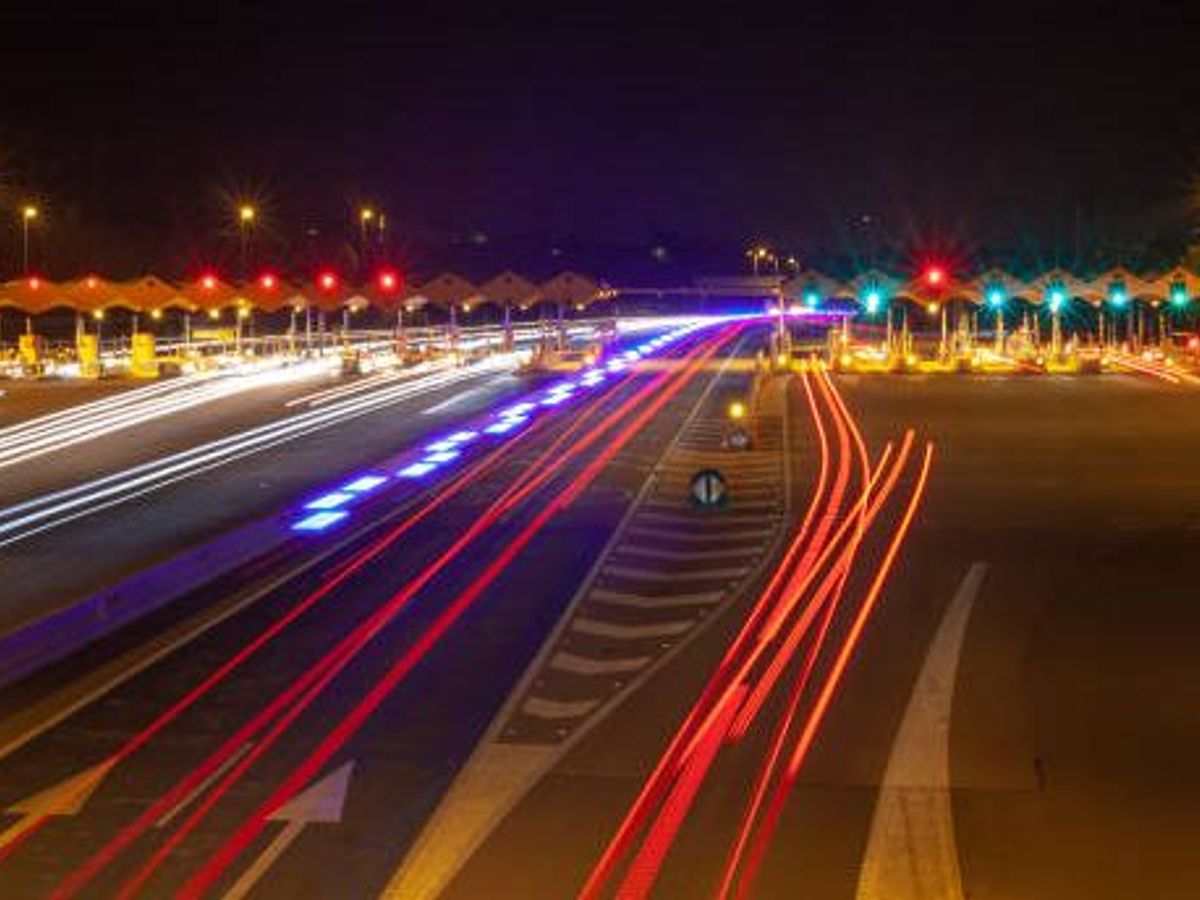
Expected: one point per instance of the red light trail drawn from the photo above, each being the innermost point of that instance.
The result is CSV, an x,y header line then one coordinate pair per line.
x,y
292,701
763,650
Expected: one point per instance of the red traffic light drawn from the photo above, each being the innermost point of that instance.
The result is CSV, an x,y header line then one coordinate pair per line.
x,y
35,283
388,280
327,281
267,281
935,276
208,282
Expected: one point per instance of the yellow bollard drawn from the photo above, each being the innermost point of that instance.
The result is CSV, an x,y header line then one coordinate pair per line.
x,y
29,350
88,350
143,362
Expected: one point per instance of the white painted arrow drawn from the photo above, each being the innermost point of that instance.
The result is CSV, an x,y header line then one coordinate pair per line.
x,y
321,802
912,852
63,799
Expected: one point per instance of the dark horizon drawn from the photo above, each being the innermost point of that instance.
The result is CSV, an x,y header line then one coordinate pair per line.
x,y
957,133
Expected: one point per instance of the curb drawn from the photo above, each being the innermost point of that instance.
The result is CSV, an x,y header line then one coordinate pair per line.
x,y
36,644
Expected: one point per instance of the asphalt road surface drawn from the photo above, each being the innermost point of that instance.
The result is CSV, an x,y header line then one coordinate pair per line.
x,y
106,542
579,470
1058,541
1017,719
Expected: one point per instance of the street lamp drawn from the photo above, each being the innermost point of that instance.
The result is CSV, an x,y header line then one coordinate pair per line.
x,y
29,212
758,255
247,215
366,216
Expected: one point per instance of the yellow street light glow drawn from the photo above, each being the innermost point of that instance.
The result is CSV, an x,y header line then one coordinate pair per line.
x,y
366,214
29,212
247,213
933,308
156,314
782,359
214,314
243,313
98,315
737,410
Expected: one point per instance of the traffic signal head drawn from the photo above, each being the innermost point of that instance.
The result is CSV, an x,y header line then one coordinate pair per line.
x,y
388,280
327,281
267,281
872,300
995,297
935,276
1179,294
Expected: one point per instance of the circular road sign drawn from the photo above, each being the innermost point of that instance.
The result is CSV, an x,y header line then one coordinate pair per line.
x,y
709,488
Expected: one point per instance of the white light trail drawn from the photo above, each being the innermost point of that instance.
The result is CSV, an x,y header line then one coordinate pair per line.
x,y
88,421
23,520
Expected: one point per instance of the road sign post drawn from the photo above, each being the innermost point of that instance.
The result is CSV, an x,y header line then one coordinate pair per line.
x,y
709,489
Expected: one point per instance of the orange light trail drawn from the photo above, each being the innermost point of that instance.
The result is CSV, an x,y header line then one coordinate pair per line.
x,y
677,777
829,687
335,659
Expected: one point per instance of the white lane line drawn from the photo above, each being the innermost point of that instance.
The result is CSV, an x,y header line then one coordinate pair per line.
x,y
706,519
458,398
911,852
657,575
586,665
543,708
165,819
653,601
57,508
688,555
585,625
689,537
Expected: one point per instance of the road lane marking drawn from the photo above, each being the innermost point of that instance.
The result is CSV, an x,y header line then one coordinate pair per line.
x,y
654,601
618,571
598,628
686,555
66,798
690,537
545,708
701,519
460,397
203,786
586,665
911,852
323,802
502,770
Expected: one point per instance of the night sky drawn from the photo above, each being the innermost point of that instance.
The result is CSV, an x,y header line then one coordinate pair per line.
x,y
961,128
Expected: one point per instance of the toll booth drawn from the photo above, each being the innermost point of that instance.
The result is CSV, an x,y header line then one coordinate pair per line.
x,y
143,359
88,350
29,351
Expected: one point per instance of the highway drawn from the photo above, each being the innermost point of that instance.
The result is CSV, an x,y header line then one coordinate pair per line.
x,y
360,616
120,501
937,643
1014,722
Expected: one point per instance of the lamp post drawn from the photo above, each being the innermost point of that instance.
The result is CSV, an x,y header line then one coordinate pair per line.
x,y
758,255
247,215
29,212
366,216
